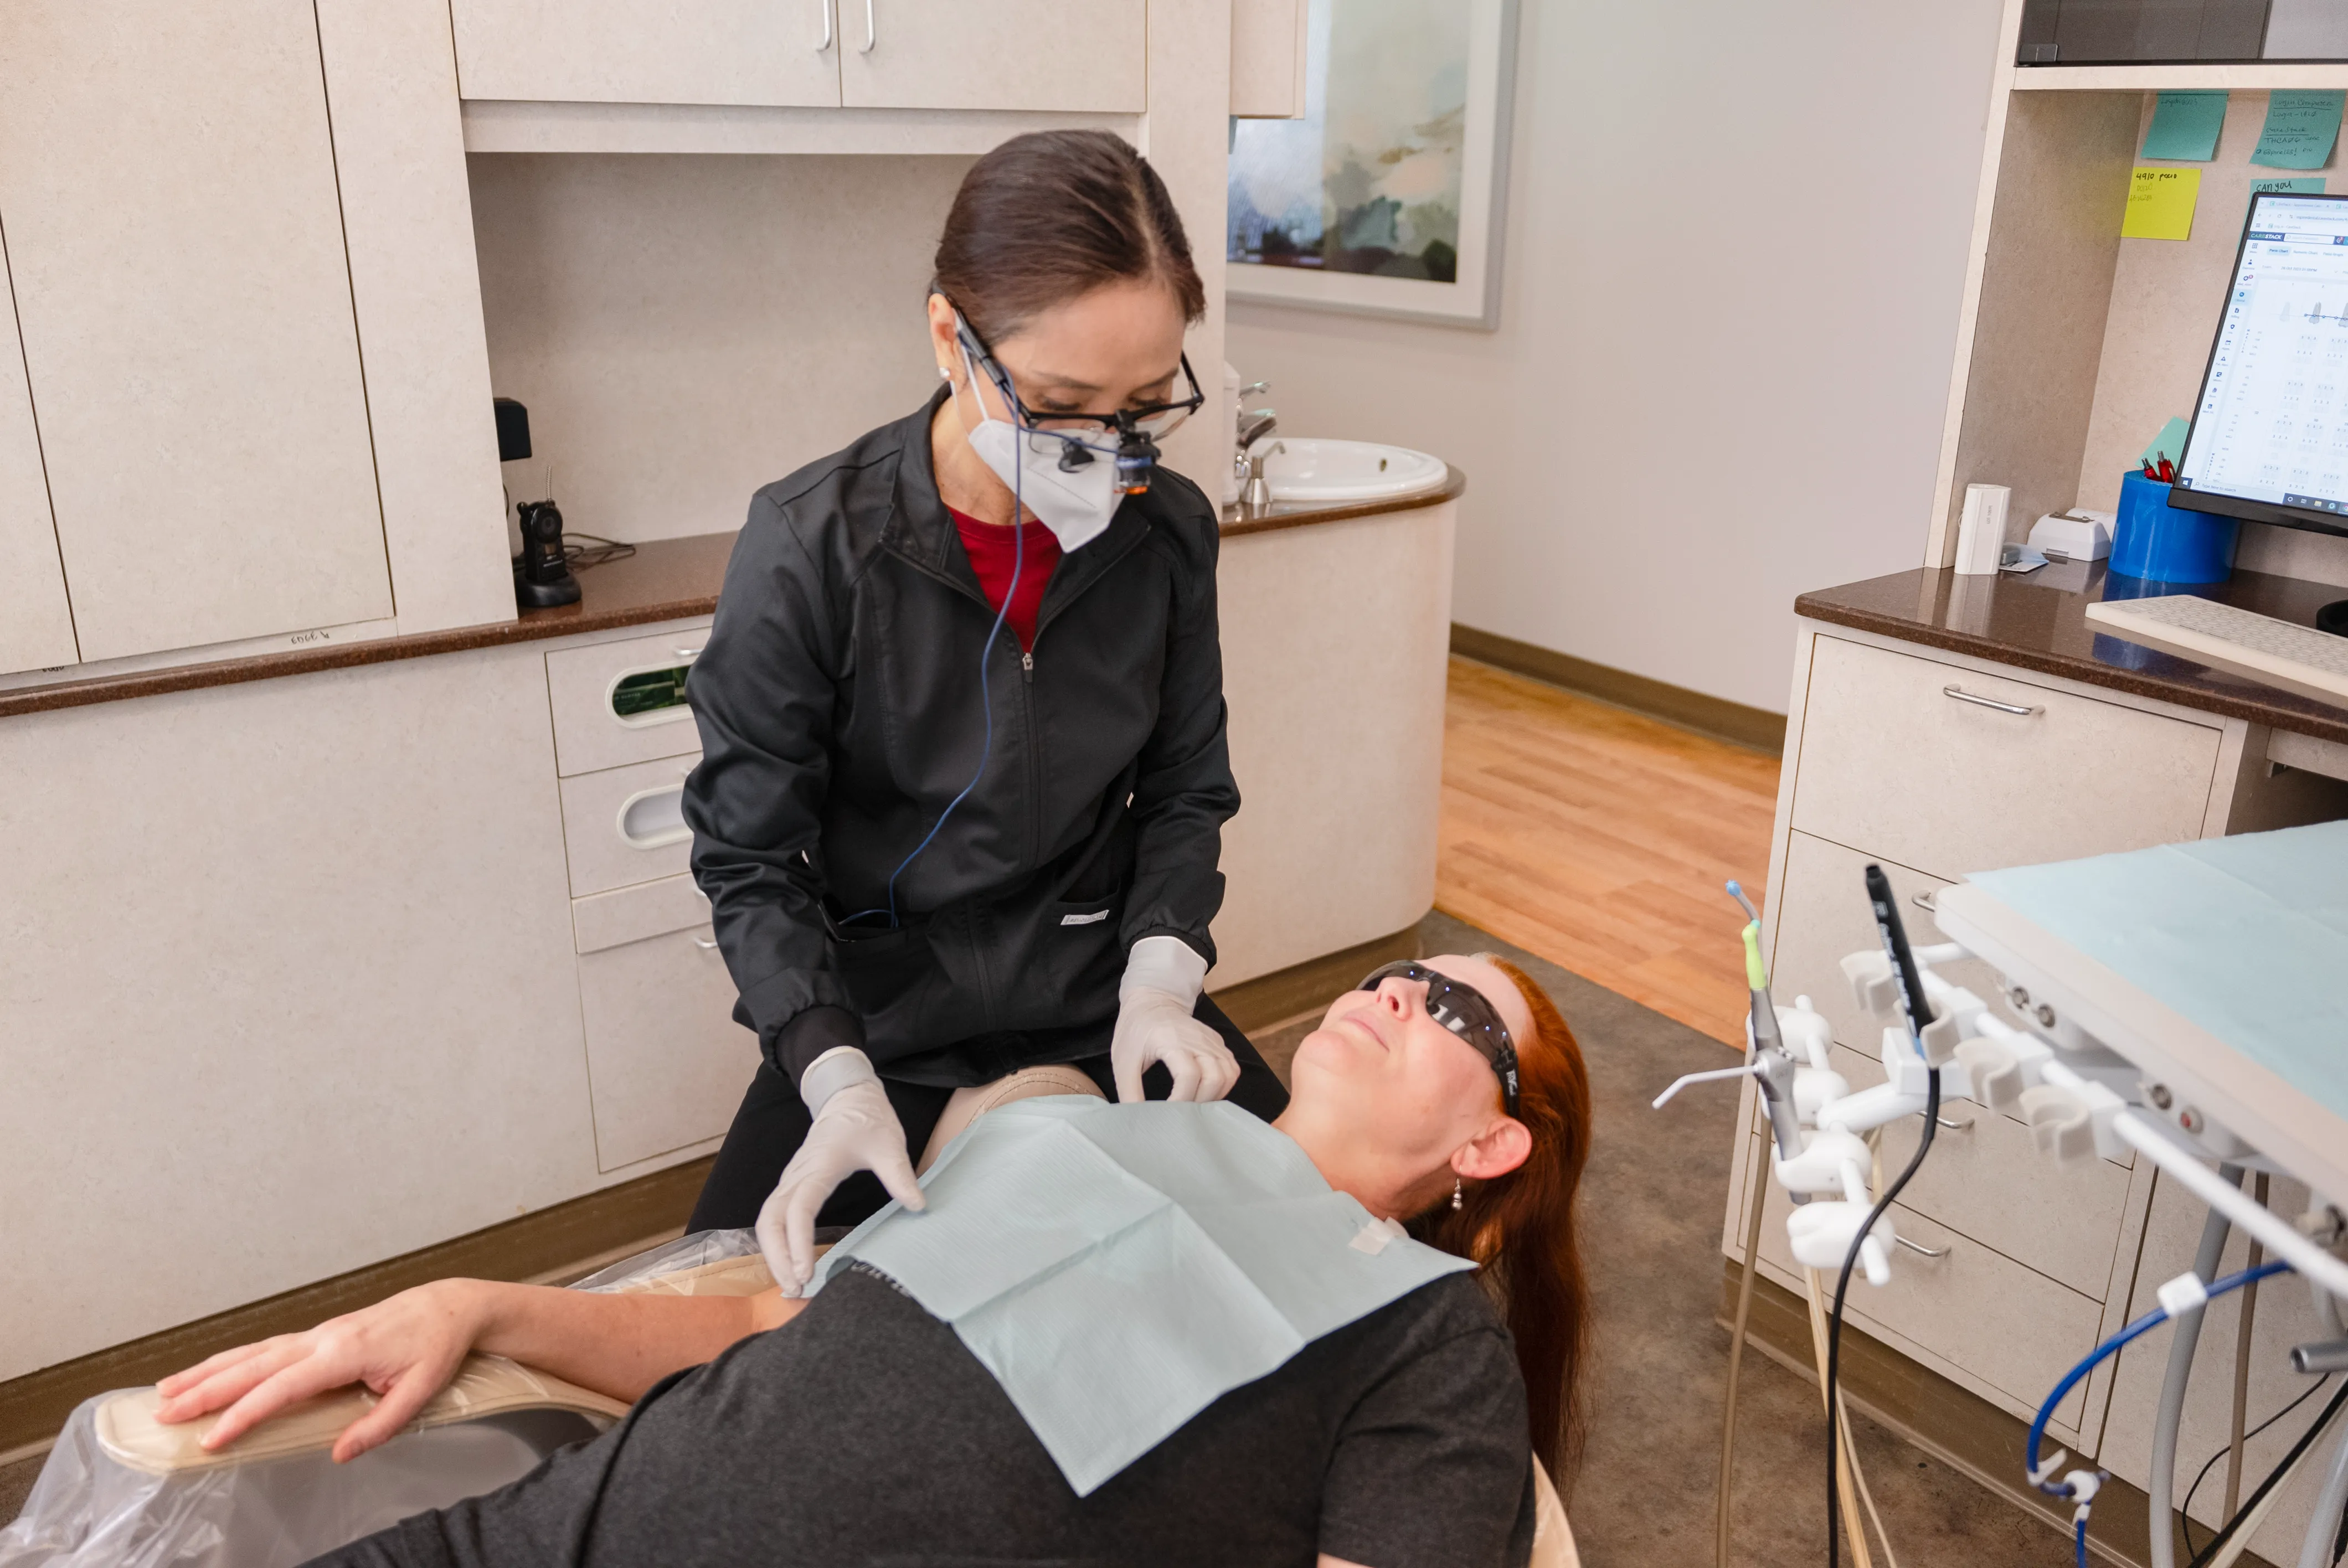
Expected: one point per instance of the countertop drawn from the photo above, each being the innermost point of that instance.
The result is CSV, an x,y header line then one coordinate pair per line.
x,y
2039,622
665,580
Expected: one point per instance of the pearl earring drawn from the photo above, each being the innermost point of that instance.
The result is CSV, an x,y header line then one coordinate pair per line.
x,y
1455,1191
945,373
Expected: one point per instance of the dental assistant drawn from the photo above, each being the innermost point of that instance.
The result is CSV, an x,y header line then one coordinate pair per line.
x,y
963,767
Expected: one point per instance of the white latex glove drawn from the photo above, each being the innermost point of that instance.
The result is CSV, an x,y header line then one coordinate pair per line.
x,y
855,1130
1155,999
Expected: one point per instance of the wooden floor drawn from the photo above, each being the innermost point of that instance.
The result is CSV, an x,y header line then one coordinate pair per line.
x,y
1600,839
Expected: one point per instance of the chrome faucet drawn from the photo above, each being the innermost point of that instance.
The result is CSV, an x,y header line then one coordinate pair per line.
x,y
1254,427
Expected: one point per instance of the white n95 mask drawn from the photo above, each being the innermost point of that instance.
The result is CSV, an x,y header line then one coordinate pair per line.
x,y
1069,485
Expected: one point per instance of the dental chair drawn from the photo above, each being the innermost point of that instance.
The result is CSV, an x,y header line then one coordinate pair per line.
x,y
123,1490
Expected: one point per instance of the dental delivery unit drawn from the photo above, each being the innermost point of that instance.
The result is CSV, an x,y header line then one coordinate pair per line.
x,y
2186,1004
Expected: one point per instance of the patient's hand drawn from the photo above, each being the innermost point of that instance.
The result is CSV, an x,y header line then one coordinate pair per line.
x,y
405,1349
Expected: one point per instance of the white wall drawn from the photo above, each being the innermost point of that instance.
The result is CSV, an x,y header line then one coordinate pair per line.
x,y
1736,248
685,330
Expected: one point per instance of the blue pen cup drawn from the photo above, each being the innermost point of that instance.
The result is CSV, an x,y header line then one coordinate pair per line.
x,y
2162,543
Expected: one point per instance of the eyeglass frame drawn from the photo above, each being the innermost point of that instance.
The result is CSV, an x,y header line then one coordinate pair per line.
x,y
1125,424
1488,1037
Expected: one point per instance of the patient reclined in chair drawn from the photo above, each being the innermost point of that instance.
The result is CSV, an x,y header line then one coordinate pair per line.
x,y
866,1429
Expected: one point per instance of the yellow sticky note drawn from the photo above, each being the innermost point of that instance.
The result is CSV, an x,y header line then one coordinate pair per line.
x,y
2160,204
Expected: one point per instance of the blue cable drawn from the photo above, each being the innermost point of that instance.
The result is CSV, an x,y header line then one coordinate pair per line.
x,y
2082,1540
986,688
2149,1321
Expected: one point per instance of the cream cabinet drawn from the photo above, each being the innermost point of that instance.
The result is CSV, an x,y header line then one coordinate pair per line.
x,y
771,53
1070,54
168,186
36,626
1269,55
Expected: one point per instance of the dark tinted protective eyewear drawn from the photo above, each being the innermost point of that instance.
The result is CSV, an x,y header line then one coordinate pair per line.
x,y
1465,1012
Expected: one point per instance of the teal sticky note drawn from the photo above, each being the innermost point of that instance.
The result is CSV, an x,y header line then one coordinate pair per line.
x,y
2168,444
2302,126
2185,126
2296,185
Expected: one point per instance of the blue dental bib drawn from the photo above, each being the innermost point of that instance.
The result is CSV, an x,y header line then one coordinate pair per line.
x,y
1118,1267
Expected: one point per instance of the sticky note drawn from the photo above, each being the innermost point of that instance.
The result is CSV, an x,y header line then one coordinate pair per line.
x,y
2168,444
2302,126
2298,185
2185,125
2160,204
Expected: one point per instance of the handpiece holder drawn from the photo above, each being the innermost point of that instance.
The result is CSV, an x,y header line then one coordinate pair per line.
x,y
542,577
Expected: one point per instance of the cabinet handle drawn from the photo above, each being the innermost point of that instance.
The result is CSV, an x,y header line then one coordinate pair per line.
x,y
1962,695
872,32
825,6
1964,1126
1924,901
704,944
1920,1248
688,654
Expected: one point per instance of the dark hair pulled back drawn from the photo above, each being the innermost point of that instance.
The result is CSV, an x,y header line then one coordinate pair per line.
x,y
1052,215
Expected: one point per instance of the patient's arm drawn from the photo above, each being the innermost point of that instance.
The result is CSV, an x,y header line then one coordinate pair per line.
x,y
408,1348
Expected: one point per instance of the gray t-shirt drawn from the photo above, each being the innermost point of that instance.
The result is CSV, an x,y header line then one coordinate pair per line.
x,y
863,1432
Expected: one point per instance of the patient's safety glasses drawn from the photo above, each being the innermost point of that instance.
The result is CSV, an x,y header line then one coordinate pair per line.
x,y
1465,1012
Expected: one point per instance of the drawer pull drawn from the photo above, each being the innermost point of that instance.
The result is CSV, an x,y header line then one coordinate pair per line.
x,y
824,6
1962,695
688,654
1924,901
705,944
1964,1126
1920,1248
872,32
653,818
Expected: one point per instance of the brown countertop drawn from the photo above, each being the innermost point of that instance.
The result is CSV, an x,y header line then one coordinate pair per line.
x,y
2039,622
665,580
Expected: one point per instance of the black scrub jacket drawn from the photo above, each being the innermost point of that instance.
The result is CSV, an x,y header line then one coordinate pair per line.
x,y
838,701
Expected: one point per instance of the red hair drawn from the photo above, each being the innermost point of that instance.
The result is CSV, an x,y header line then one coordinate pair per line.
x,y
1519,1227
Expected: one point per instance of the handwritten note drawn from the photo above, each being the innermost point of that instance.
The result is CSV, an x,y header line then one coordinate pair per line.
x,y
2302,126
2160,204
2298,185
2185,125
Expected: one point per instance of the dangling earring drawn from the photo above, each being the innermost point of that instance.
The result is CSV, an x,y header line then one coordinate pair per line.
x,y
1455,1191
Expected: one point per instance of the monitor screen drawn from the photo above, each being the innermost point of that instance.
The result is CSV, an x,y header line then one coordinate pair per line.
x,y
2269,437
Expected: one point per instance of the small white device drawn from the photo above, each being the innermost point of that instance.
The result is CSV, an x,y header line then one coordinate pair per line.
x,y
2239,641
2076,535
1981,532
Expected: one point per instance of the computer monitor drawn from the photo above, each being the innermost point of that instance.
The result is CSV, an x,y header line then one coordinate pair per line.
x,y
2269,437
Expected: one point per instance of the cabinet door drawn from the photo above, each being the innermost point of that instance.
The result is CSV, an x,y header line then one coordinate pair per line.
x,y
176,241
1268,58
752,52
1076,55
36,628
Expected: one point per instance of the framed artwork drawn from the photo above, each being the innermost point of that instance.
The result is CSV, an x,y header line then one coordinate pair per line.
x,y
1386,196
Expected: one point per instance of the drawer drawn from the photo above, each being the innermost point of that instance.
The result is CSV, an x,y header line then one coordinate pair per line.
x,y
620,703
1986,1181
1891,761
1820,912
632,914
1977,1310
666,1063
625,825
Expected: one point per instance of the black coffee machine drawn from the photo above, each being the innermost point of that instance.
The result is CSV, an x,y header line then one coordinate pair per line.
x,y
542,572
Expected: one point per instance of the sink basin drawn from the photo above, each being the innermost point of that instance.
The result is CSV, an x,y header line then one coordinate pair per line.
x,y
1315,471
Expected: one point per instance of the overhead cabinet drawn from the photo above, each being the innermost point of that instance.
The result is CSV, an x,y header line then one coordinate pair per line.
x,y
754,53
36,626
167,191
1079,55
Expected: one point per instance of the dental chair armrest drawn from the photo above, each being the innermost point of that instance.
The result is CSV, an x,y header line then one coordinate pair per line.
x,y
484,1386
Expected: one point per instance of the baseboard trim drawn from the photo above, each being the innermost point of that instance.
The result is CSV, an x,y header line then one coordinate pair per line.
x,y
1276,998
1714,716
33,1407
1952,1423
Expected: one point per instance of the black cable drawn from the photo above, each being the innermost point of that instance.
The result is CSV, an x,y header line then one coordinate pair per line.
x,y
2340,1537
1842,1286
2202,1558
2185,1508
594,551
1918,1015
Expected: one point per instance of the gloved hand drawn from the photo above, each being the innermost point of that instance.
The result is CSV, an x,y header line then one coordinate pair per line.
x,y
1161,987
855,1130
